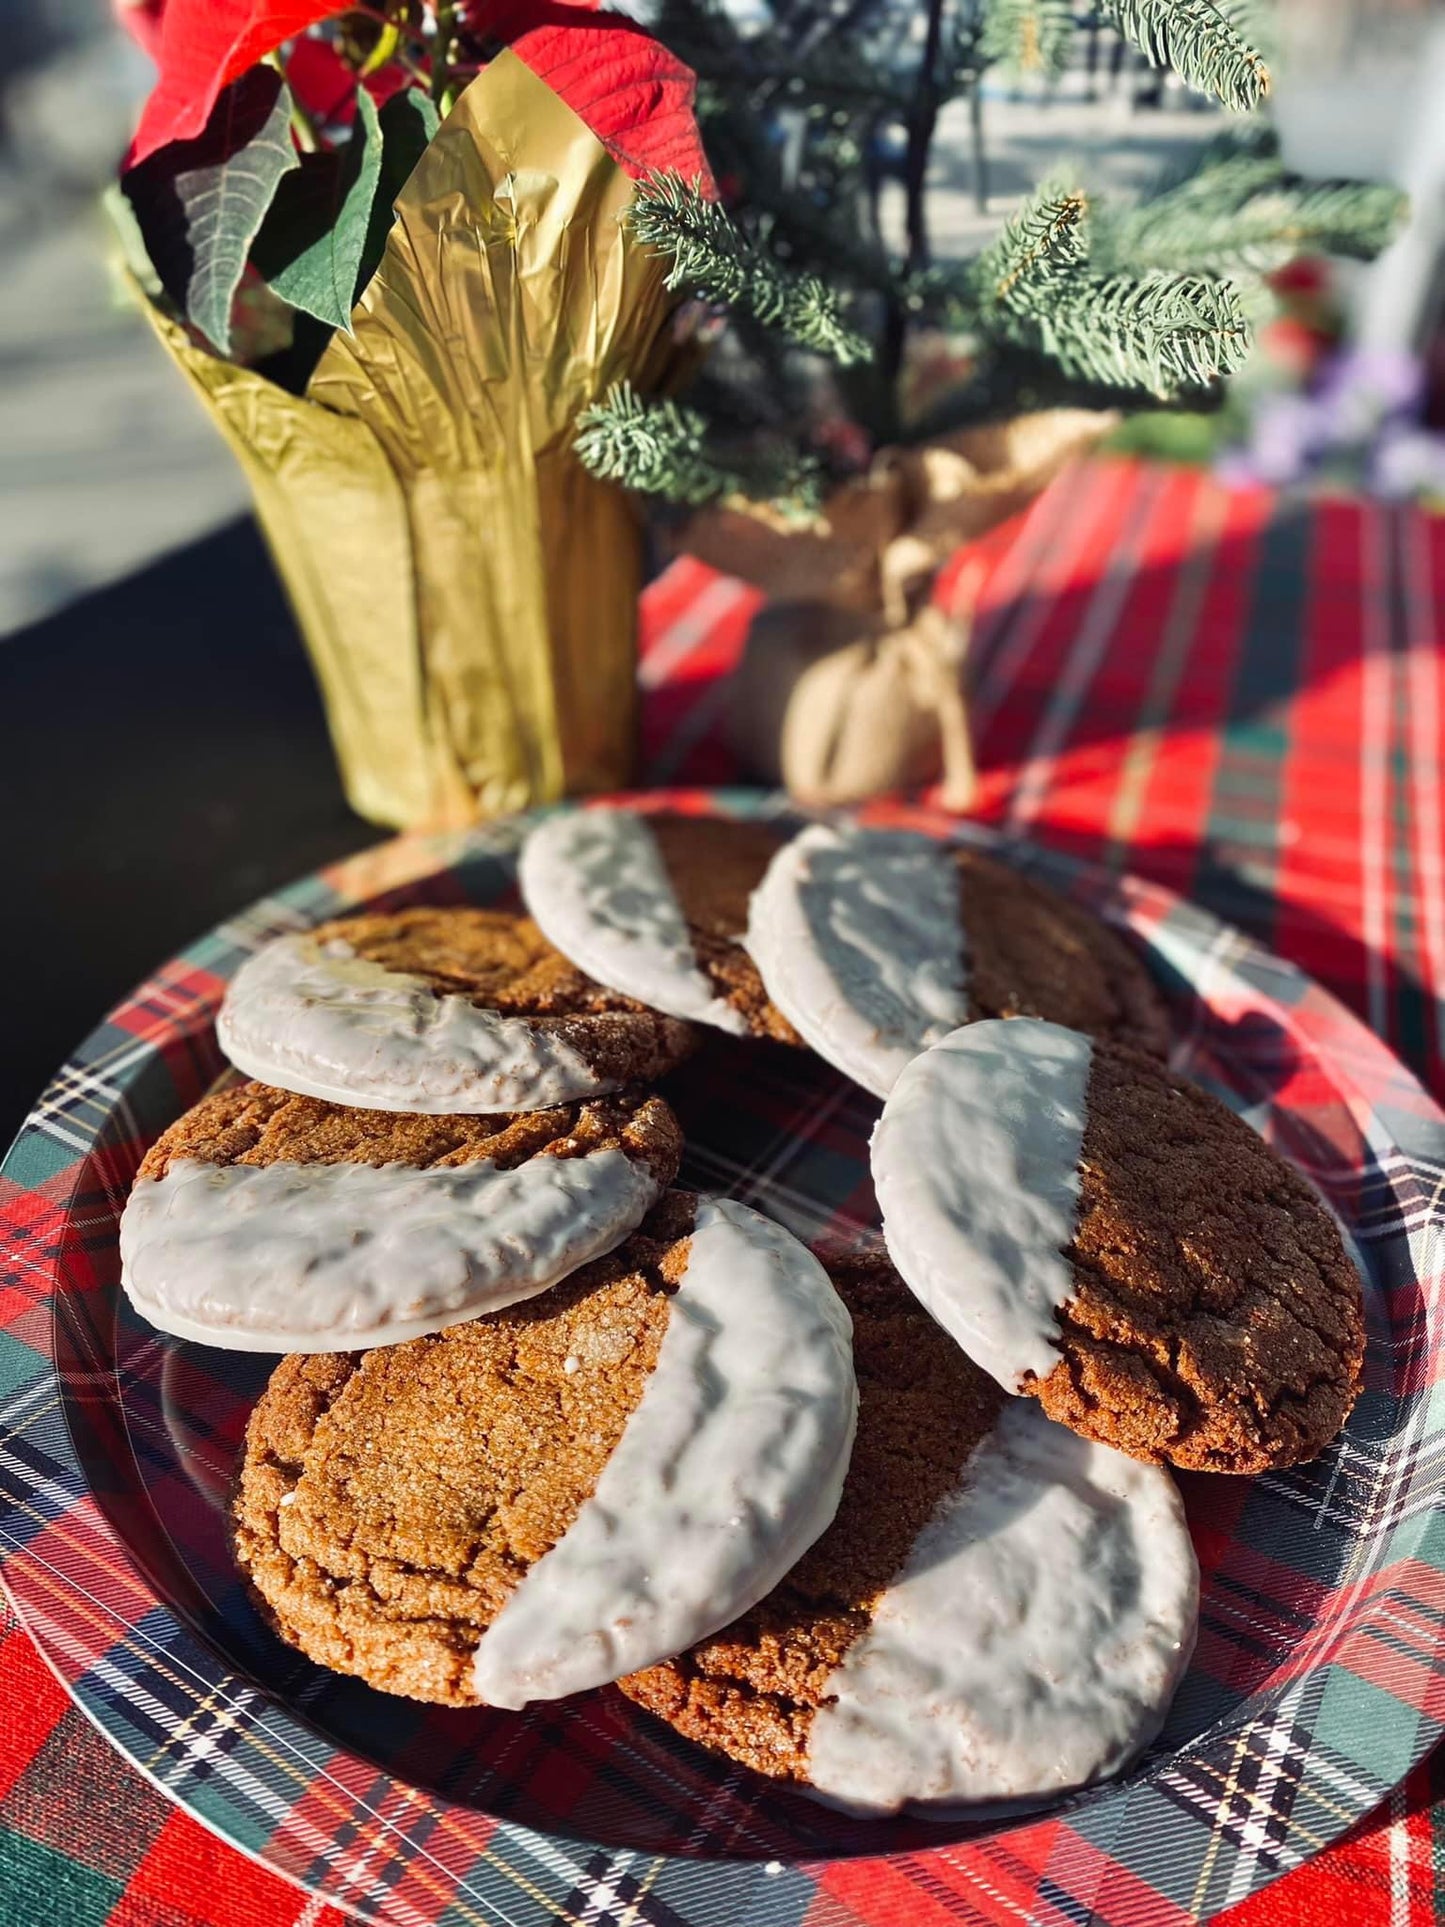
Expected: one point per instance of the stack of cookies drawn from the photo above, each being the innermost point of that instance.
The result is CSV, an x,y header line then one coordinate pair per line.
x,y
894,1526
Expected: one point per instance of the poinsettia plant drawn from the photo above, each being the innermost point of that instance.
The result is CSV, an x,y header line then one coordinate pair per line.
x,y
269,155
280,132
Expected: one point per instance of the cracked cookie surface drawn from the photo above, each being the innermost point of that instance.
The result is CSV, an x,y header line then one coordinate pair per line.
x,y
1033,953
257,1124
389,1502
1216,1320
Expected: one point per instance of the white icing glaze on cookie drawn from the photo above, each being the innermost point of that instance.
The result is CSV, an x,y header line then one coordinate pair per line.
x,y
595,884
728,1469
976,1167
858,937
339,1257
316,1018
1033,1640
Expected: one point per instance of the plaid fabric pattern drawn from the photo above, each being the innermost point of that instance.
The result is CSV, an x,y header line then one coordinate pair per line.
x,y
1163,673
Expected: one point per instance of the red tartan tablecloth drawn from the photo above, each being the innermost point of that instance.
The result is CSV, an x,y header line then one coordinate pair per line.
x,y
1235,695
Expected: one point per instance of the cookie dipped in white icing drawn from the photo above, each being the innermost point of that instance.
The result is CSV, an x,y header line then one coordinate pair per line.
x,y
1102,1234
655,905
729,1468
859,937
877,943
522,1504
596,883
999,1612
375,1229
454,1010
1033,1640
976,1169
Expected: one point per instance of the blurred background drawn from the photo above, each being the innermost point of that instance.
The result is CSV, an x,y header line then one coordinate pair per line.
x,y
106,463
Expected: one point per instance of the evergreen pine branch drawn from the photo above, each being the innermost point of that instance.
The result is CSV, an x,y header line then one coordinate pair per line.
x,y
1166,334
662,448
712,258
657,448
1029,36
1257,21
1247,215
1044,239
1201,41
1145,307
1225,178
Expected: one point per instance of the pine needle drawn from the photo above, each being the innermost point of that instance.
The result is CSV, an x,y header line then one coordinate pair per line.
x,y
1045,238
1166,334
1244,213
661,448
1201,42
713,259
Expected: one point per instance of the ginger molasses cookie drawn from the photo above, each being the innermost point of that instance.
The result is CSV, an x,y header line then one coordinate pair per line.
x,y
1104,1235
267,1222
877,943
438,1010
529,1504
656,906
1000,1610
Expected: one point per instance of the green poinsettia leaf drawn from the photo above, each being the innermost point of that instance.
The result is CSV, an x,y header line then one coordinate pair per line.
x,y
200,203
311,247
408,122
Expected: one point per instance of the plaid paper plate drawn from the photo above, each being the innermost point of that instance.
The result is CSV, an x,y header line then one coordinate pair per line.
x,y
1318,1679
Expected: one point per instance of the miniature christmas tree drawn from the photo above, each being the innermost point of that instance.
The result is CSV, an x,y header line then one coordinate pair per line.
x,y
1073,303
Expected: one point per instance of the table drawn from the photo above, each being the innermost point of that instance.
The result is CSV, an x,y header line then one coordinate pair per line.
x,y
1236,695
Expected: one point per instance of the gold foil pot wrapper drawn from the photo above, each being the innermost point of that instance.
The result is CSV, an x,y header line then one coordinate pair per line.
x,y
852,680
467,591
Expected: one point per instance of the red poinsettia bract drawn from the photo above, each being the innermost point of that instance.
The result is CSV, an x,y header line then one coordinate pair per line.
x,y
204,45
634,95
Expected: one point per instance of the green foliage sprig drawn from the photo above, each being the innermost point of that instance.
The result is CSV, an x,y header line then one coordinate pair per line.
x,y
1044,239
1201,41
1243,212
1171,335
663,448
1038,288
1073,303
712,258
